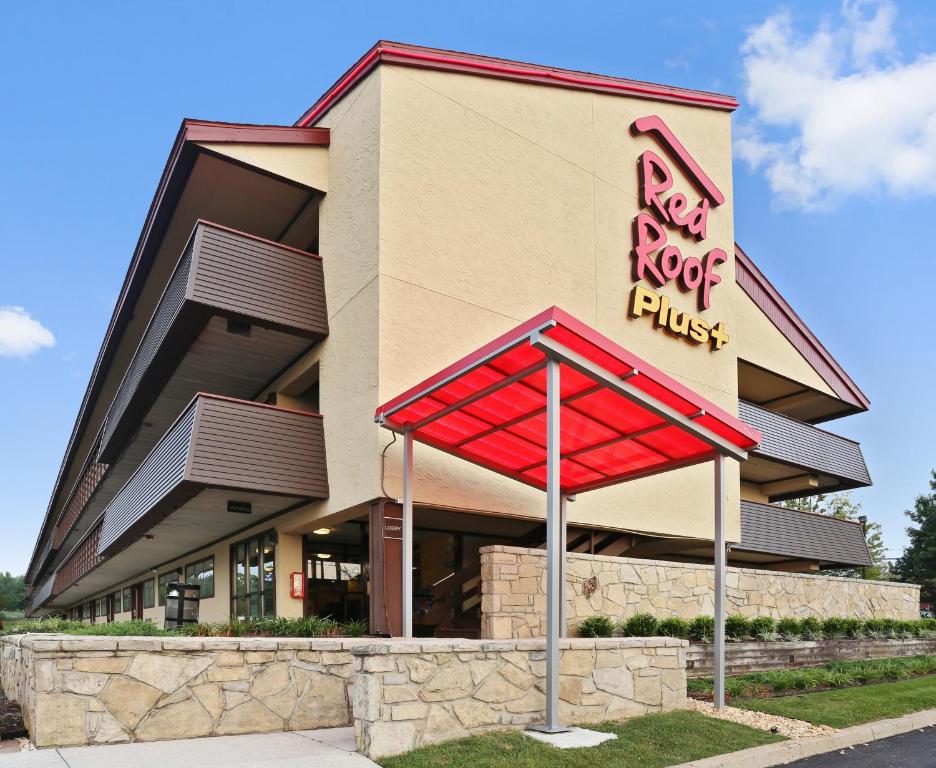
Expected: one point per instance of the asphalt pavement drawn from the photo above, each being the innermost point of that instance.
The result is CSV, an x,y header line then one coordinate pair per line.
x,y
916,749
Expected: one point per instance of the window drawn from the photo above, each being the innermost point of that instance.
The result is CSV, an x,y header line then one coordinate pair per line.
x,y
201,573
149,593
164,581
253,577
127,599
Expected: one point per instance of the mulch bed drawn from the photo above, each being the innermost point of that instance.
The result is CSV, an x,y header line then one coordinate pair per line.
x,y
11,719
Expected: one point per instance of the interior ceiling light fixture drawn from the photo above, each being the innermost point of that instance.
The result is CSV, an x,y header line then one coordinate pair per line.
x,y
322,531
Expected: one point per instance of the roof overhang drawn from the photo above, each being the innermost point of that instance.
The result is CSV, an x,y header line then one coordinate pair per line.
x,y
621,418
403,54
199,167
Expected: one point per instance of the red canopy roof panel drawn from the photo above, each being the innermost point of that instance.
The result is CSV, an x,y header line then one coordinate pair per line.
x,y
620,418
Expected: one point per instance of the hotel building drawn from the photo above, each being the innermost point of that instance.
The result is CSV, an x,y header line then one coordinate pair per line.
x,y
289,279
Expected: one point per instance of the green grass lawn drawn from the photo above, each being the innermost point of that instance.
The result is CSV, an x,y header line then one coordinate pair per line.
x,y
653,741
851,706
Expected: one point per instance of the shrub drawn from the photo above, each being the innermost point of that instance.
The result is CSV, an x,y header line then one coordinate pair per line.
x,y
702,629
640,625
674,627
356,628
789,629
596,626
853,628
811,628
905,630
764,628
876,629
833,628
737,627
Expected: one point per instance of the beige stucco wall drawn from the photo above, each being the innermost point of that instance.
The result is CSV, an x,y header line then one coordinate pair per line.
x,y
499,199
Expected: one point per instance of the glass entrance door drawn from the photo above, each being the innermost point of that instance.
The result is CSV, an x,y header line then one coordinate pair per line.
x,y
335,567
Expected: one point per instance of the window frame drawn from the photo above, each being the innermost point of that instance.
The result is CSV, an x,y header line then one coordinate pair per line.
x,y
264,610
126,599
202,593
151,583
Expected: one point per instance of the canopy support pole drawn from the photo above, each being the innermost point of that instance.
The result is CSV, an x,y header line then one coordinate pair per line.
x,y
720,552
407,534
563,543
554,552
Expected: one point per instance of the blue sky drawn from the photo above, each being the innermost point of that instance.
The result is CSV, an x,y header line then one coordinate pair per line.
x,y
835,174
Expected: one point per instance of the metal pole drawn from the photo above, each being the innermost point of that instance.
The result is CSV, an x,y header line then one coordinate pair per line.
x,y
719,582
563,543
554,550
407,534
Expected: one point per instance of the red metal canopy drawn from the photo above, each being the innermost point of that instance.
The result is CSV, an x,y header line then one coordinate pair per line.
x,y
620,418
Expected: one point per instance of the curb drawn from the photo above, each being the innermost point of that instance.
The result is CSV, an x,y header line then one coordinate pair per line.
x,y
796,749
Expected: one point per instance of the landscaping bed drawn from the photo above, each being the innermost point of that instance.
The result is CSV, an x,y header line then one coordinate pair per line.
x,y
835,675
11,719
309,626
651,741
761,628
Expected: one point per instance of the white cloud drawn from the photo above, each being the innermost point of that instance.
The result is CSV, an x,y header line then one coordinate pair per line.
x,y
20,335
836,111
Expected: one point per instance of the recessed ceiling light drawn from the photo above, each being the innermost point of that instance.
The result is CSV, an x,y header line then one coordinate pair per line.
x,y
324,555
322,531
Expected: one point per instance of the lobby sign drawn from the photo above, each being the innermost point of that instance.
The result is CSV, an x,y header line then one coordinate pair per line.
x,y
656,259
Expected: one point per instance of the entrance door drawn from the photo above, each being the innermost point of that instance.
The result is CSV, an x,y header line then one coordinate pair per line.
x,y
335,573
109,601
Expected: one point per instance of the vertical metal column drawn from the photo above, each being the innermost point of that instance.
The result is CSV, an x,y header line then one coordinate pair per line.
x,y
563,543
720,553
554,554
407,534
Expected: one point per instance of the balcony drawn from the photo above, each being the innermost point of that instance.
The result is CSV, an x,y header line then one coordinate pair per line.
x,y
796,459
773,532
235,312
223,465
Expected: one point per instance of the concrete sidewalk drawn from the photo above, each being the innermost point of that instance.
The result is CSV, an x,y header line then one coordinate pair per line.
x,y
326,748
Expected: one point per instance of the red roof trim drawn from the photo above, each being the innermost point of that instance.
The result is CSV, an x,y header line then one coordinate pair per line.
x,y
488,66
781,314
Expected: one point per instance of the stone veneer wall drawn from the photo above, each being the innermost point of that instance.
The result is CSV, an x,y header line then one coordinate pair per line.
x,y
513,587
409,694
95,690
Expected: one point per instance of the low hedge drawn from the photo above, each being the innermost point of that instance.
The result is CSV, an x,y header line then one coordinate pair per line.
x,y
837,674
763,628
309,626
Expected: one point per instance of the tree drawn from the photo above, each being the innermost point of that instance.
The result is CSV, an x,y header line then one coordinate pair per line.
x,y
12,592
840,505
918,563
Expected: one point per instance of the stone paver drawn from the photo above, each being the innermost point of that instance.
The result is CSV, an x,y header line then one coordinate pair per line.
x,y
329,748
